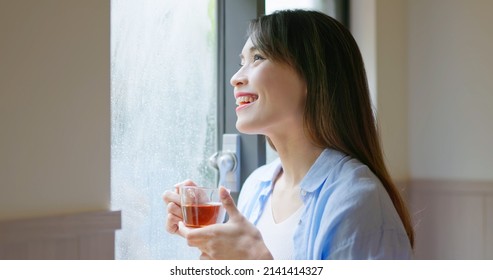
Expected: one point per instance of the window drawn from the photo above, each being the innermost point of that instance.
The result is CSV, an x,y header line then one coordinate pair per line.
x,y
164,115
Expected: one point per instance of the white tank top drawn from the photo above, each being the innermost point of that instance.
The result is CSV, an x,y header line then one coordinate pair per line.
x,y
278,237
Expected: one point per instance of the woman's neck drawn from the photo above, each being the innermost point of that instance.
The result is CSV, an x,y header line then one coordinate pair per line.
x,y
297,155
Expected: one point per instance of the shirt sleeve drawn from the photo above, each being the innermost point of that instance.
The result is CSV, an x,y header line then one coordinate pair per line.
x,y
361,221
385,244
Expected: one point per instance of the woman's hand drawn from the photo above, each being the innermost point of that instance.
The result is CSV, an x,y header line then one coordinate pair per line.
x,y
236,239
174,223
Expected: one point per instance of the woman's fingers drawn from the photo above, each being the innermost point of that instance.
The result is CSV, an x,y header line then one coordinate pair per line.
x,y
204,256
172,223
174,218
229,205
174,195
172,200
174,209
183,231
187,182
171,196
237,239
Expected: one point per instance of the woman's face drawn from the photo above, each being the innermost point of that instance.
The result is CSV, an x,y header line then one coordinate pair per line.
x,y
270,95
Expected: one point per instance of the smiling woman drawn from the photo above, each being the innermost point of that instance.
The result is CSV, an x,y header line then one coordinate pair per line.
x,y
277,89
328,195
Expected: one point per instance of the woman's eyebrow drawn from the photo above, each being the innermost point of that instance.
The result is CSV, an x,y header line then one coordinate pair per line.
x,y
250,50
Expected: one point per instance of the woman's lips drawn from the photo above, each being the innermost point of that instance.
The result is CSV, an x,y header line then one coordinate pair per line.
x,y
243,100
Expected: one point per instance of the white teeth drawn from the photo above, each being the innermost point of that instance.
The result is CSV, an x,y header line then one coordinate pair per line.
x,y
245,99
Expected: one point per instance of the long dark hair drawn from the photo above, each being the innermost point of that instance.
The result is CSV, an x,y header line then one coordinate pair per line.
x,y
338,112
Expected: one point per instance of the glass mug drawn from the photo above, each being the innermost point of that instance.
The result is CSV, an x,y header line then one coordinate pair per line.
x,y
201,206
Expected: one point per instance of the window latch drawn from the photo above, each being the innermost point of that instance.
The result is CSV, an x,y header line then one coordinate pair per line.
x,y
227,162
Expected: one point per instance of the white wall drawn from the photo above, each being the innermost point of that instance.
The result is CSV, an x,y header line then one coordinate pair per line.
x,y
380,28
363,25
434,93
54,107
392,91
451,89
430,65
450,131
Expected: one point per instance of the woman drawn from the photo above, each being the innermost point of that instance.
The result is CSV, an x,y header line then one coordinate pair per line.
x,y
302,84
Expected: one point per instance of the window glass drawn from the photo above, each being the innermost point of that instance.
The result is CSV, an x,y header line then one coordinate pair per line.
x,y
163,113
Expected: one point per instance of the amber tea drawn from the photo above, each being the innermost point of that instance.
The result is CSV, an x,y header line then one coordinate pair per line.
x,y
201,215
201,206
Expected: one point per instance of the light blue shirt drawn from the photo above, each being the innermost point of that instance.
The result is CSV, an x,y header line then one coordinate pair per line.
x,y
347,211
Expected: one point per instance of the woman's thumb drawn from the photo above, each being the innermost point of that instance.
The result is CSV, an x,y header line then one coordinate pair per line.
x,y
228,203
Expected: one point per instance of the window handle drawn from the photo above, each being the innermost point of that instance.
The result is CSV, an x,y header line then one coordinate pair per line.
x,y
227,162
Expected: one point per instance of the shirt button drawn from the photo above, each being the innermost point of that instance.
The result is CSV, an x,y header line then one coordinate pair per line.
x,y
303,192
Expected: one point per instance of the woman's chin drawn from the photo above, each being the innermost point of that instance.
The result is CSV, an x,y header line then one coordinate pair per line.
x,y
245,127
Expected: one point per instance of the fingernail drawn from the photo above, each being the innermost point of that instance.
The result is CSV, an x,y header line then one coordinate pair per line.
x,y
225,193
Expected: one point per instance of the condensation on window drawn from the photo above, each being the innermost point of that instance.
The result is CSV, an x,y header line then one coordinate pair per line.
x,y
163,113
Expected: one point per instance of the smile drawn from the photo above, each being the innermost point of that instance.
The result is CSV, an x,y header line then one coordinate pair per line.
x,y
246,99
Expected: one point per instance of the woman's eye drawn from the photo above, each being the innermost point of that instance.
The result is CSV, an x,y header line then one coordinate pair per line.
x,y
257,57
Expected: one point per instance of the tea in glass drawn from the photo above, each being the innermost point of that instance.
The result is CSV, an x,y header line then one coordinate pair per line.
x,y
201,206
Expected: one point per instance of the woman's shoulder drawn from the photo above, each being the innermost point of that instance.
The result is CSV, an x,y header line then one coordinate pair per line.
x,y
352,185
358,211
351,189
339,171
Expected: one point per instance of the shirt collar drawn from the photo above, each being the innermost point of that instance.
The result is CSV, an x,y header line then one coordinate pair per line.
x,y
270,172
315,176
320,170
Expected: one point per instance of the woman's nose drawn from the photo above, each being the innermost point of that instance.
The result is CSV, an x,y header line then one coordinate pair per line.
x,y
238,79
